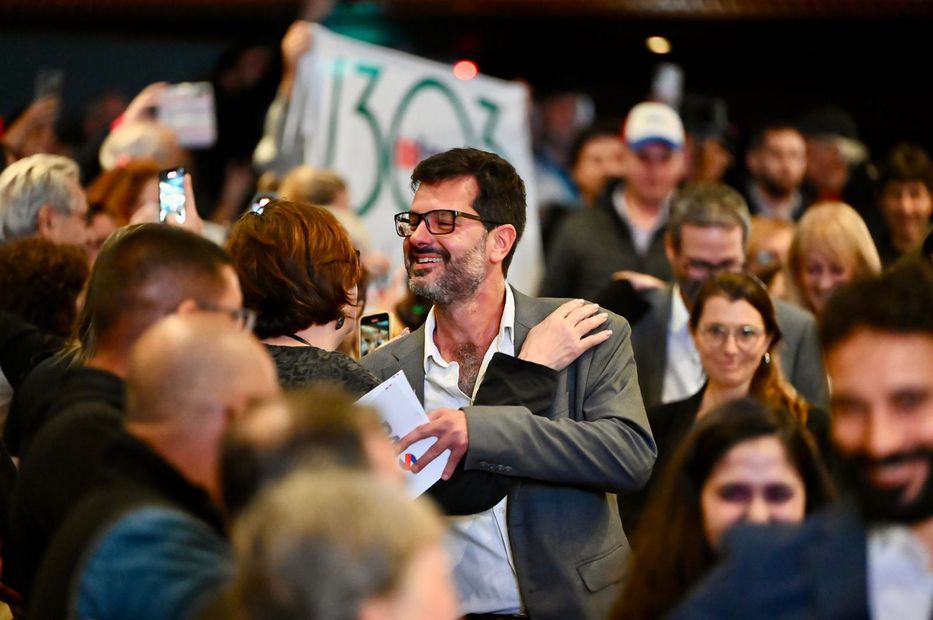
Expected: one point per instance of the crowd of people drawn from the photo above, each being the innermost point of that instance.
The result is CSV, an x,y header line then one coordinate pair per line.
x,y
720,404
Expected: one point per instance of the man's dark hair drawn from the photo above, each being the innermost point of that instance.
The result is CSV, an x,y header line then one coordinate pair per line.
x,y
501,196
141,274
756,138
906,163
601,129
900,300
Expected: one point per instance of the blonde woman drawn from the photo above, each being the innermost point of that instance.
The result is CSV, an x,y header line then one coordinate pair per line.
x,y
831,246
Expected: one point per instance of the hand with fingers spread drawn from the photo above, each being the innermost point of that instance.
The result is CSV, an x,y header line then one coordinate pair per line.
x,y
558,340
450,428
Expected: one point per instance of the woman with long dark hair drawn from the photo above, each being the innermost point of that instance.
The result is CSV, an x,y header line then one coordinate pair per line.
x,y
743,462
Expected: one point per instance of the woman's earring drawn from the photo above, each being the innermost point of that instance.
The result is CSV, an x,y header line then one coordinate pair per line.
x,y
340,323
766,358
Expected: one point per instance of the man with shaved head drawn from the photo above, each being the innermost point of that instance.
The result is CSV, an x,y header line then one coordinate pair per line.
x,y
149,542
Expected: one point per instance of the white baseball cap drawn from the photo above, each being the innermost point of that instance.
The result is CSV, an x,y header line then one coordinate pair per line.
x,y
652,122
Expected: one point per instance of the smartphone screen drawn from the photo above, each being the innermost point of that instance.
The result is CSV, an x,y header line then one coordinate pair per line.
x,y
188,108
374,331
172,194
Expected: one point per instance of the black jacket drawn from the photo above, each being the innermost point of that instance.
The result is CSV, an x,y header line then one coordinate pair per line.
x,y
132,476
62,465
591,245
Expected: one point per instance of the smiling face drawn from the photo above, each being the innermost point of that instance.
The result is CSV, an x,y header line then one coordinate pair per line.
x,y
821,274
907,208
882,404
450,267
731,340
754,482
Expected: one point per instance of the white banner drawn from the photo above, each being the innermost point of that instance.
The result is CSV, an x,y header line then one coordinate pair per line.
x,y
372,113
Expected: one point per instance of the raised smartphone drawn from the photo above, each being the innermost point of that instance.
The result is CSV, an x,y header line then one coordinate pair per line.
x,y
172,194
374,331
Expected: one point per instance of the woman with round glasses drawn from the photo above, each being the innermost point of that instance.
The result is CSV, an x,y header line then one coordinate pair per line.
x,y
743,462
736,334
299,270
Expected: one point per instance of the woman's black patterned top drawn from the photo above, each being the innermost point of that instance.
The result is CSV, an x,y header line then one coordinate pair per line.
x,y
300,367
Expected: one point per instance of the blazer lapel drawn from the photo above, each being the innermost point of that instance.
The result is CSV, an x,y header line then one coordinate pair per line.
x,y
410,357
651,351
525,318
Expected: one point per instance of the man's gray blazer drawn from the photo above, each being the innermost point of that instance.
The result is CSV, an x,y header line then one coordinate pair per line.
x,y
800,355
567,541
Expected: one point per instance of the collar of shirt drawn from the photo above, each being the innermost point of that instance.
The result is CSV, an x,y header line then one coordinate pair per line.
x,y
766,207
621,207
504,340
900,582
680,316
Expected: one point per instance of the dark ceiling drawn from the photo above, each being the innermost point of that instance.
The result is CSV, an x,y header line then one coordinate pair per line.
x,y
765,58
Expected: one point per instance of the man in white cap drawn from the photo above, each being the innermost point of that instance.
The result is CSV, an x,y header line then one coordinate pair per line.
x,y
625,232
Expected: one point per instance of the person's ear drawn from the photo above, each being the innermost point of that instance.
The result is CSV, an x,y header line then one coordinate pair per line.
x,y
44,220
503,240
187,306
669,249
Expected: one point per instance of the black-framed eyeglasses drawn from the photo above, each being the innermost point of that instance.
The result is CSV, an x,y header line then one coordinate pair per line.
x,y
438,222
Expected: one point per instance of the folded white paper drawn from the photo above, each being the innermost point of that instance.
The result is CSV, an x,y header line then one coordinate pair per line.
x,y
401,412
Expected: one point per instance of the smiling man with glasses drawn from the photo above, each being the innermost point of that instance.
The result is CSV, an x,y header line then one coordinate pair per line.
x,y
554,547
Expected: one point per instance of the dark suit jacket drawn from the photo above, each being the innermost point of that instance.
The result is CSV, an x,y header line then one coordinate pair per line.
x,y
816,571
567,541
800,355
670,423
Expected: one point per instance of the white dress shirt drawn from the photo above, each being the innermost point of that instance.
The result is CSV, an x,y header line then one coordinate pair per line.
x,y
479,549
900,583
683,374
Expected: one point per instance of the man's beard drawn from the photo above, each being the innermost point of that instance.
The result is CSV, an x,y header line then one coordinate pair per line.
x,y
887,505
775,188
461,277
